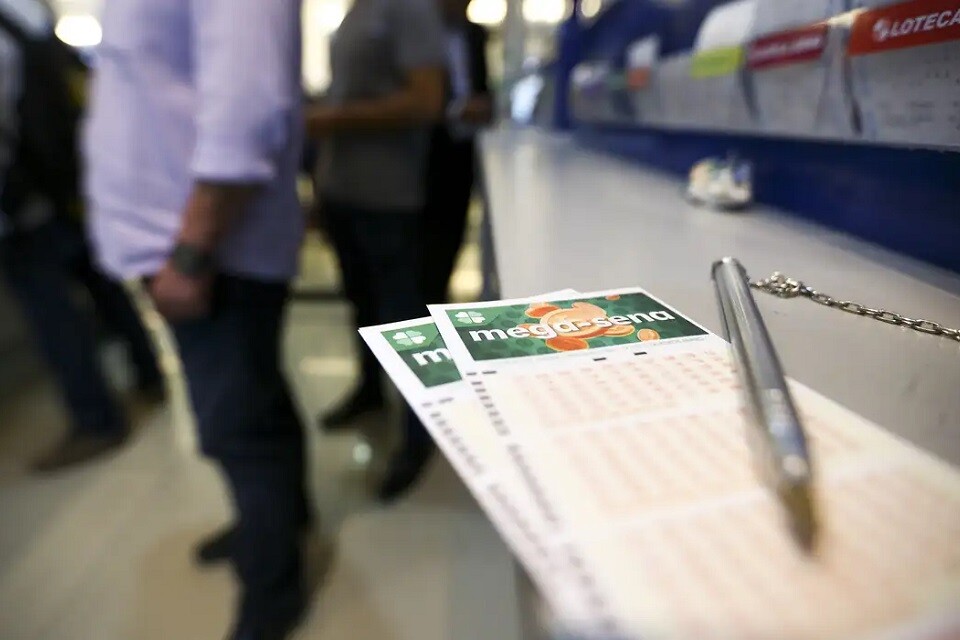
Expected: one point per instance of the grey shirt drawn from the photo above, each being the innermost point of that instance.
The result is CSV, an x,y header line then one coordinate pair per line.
x,y
377,44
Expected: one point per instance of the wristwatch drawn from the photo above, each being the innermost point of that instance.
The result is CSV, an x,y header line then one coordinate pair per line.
x,y
191,261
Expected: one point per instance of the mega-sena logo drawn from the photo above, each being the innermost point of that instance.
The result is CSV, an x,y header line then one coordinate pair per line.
x,y
408,338
885,29
580,322
470,317
414,338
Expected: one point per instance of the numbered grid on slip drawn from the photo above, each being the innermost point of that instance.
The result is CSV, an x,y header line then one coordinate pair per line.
x,y
635,465
597,391
888,546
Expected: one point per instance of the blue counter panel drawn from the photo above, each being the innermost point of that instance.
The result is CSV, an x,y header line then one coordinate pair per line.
x,y
904,199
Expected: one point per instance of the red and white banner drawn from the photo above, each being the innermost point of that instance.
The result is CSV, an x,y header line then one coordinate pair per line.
x,y
805,44
901,26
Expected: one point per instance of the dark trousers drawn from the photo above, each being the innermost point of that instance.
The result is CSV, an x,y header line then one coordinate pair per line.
x,y
248,425
378,253
450,178
118,315
36,265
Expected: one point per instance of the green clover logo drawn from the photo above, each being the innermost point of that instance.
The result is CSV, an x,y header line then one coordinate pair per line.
x,y
408,338
470,317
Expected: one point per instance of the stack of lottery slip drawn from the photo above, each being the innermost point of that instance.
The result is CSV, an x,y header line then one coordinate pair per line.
x,y
605,436
415,357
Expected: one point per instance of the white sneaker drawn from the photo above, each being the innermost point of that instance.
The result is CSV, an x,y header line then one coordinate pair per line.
x,y
723,184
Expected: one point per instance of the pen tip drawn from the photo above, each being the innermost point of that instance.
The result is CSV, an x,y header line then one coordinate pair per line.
x,y
798,500
805,533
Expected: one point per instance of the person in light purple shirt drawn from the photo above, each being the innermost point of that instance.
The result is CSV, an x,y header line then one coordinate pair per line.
x,y
193,144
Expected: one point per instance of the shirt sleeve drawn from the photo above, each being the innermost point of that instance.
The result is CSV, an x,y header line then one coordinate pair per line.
x,y
420,40
246,63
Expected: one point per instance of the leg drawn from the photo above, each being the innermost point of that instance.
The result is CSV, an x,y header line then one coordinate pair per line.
x,y
66,339
358,287
357,283
115,308
390,240
449,188
219,546
248,424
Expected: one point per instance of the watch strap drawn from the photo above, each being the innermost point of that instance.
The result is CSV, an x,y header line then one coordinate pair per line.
x,y
191,261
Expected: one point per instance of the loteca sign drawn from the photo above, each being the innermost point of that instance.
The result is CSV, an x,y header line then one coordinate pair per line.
x,y
884,29
905,25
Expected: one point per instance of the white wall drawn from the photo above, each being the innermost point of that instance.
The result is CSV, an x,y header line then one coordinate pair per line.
x,y
320,19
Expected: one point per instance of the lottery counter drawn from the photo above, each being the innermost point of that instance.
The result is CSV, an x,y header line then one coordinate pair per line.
x,y
560,216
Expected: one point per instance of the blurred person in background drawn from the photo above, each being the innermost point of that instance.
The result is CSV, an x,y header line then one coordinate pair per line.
x,y
387,61
193,145
452,156
43,255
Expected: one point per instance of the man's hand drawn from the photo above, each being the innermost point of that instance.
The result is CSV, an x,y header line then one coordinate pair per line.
x,y
184,294
179,297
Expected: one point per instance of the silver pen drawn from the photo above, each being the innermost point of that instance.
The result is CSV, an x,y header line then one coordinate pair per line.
x,y
779,441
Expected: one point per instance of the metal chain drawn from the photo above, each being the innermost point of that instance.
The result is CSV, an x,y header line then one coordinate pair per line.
x,y
783,287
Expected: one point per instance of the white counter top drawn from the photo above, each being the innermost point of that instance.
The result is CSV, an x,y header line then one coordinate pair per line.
x,y
566,217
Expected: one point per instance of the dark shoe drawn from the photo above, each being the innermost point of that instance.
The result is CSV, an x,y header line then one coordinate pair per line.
x,y
404,471
76,449
277,627
216,548
250,631
357,405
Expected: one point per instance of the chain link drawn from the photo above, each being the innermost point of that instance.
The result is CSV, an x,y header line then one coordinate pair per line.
x,y
783,287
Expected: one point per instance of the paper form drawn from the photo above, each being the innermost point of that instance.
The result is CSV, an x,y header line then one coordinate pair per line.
x,y
628,319
797,69
800,82
416,359
518,332
640,68
452,415
638,456
713,551
730,572
728,25
716,69
905,61
680,106
719,98
592,84
642,54
780,15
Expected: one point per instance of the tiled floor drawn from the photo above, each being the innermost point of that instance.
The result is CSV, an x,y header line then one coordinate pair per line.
x,y
103,552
